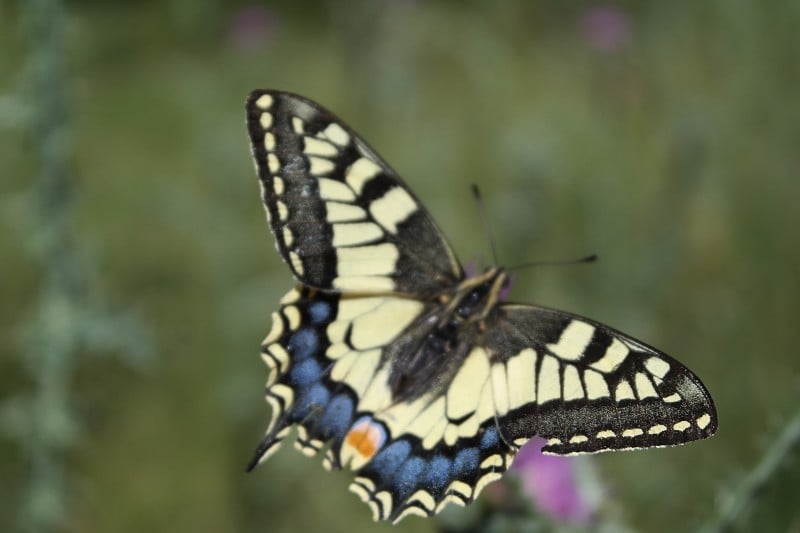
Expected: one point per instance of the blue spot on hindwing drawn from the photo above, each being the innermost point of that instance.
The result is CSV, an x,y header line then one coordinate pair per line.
x,y
305,373
319,312
313,398
407,477
489,438
390,458
437,476
303,344
466,462
337,418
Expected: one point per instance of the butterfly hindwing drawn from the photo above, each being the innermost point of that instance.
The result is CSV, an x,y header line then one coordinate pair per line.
x,y
324,351
342,218
587,387
333,385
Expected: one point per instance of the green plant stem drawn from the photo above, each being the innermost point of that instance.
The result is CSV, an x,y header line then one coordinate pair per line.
x,y
52,335
747,493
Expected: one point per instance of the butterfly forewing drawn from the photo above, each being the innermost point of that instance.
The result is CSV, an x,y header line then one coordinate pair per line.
x,y
587,387
341,217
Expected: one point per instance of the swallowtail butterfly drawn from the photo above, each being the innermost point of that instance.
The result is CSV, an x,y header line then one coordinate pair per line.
x,y
389,361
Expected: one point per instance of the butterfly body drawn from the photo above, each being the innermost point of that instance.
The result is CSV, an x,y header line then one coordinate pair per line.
x,y
426,356
394,364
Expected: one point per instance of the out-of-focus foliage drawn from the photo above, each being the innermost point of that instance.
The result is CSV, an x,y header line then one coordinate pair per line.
x,y
768,488
661,135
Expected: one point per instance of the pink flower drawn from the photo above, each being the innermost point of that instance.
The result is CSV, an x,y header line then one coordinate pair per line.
x,y
606,28
471,269
251,28
551,481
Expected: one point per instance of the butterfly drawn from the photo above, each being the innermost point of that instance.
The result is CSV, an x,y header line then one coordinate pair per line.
x,y
391,362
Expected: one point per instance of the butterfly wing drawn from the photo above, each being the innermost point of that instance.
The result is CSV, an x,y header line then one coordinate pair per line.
x,y
331,374
532,371
587,387
342,218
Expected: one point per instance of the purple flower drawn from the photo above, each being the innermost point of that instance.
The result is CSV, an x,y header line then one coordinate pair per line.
x,y
251,28
606,28
505,291
471,269
551,481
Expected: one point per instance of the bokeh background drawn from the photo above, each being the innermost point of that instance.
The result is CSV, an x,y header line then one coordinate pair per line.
x,y
137,273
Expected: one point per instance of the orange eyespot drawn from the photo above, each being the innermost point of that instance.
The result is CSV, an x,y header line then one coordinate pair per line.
x,y
366,439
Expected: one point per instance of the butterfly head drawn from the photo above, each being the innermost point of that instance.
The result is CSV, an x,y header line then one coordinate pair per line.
x,y
475,297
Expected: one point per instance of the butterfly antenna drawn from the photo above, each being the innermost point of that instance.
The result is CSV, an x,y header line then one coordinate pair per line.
x,y
476,192
580,261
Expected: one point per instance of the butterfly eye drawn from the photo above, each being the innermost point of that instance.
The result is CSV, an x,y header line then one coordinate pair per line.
x,y
471,301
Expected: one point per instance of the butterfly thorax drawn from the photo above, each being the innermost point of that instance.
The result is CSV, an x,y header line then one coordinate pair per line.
x,y
426,356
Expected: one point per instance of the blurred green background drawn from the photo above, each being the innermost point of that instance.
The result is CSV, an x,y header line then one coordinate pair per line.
x,y
138,272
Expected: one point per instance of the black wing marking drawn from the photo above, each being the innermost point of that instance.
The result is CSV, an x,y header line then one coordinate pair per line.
x,y
589,388
342,218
